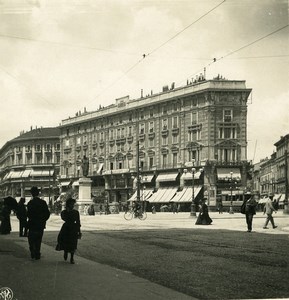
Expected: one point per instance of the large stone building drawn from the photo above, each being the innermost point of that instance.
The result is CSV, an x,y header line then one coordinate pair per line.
x,y
270,175
31,159
202,124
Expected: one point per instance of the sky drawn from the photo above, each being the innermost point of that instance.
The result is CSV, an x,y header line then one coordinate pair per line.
x,y
59,56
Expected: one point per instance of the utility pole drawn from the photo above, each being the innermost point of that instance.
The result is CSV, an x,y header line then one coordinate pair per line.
x,y
137,172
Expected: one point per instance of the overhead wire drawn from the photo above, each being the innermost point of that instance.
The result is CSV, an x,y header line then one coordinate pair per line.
x,y
145,55
239,49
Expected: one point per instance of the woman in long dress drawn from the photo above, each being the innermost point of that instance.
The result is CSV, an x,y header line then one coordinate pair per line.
x,y
70,230
204,218
5,226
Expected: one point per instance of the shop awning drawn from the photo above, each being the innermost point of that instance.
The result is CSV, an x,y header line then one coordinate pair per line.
x,y
189,176
65,183
167,177
36,173
144,195
47,173
225,173
26,173
188,195
163,195
6,176
16,174
234,192
147,178
277,197
100,168
75,183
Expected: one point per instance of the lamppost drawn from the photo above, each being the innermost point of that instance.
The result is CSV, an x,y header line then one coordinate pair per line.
x,y
231,210
193,205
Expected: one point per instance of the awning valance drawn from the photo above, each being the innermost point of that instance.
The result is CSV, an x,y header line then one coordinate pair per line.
x,y
167,177
65,183
47,173
225,173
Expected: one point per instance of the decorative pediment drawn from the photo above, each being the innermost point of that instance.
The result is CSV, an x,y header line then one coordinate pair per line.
x,y
227,144
194,145
119,156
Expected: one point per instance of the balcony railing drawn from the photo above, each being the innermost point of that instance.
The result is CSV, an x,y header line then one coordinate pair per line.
x,y
175,131
151,135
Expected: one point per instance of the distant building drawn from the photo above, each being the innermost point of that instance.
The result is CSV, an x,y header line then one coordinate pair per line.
x,y
202,124
270,175
31,159
282,149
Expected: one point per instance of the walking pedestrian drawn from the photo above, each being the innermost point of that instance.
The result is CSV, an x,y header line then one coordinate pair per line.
x,y
70,230
250,205
204,218
22,217
269,209
37,213
5,226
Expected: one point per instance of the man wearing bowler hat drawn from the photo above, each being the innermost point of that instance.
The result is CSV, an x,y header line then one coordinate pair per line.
x,y
37,213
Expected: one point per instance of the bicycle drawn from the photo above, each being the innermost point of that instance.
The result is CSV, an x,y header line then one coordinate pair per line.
x,y
128,215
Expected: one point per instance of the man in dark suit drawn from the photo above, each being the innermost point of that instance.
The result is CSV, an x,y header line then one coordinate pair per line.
x,y
37,213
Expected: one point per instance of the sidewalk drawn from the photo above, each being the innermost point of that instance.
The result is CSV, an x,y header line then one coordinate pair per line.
x,y
53,278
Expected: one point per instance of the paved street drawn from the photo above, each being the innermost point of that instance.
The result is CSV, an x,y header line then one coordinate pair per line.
x,y
99,271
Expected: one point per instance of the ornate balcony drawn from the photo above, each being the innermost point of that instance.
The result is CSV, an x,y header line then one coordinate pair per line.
x,y
101,144
130,139
152,135
195,127
111,142
94,144
66,150
175,131
78,148
142,136
165,132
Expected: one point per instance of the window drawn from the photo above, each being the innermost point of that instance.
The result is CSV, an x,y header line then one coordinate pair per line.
x,y
57,146
111,134
175,159
66,145
165,110
164,162
123,132
175,106
151,162
78,140
220,133
234,136
57,159
38,147
120,165
151,142
130,117
228,115
129,131
142,128
142,165
67,132
175,122
151,112
118,133
175,139
101,136
142,115
193,136
151,126
165,124
48,147
227,133
164,140
194,102
78,129
111,166
194,118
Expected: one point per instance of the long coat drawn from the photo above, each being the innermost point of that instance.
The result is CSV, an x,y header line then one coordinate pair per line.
x,y
5,226
68,235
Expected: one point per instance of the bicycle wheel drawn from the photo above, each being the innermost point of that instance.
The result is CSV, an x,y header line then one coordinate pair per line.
x,y
128,215
142,216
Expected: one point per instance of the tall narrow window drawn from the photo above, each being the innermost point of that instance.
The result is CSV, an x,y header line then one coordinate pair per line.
x,y
194,117
165,160
175,122
175,159
228,115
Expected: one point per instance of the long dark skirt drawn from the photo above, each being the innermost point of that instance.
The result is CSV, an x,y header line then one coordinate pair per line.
x,y
67,238
204,219
5,226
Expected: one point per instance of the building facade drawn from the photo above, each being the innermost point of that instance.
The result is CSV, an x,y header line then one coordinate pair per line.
x,y
31,159
201,125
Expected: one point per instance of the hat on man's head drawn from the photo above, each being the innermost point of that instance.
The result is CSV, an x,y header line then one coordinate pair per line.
x,y
34,191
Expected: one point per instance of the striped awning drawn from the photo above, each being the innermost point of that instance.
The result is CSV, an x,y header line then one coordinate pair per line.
x,y
167,177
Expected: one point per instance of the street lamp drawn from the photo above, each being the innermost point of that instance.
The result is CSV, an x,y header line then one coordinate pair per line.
x,y
193,205
231,211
